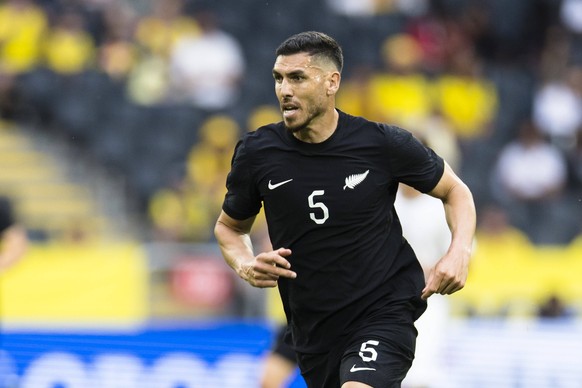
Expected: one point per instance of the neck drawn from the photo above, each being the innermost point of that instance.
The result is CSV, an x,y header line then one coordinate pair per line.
x,y
319,130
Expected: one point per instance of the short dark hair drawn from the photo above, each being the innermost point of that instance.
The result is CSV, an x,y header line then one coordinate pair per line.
x,y
313,43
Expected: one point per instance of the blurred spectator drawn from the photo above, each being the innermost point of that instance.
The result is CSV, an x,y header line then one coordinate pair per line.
x,y
557,108
118,53
499,244
465,97
430,31
411,8
167,212
425,227
555,56
263,115
400,92
157,35
362,8
437,131
159,31
571,15
554,307
352,96
430,239
147,82
13,239
184,212
22,25
353,7
206,70
529,168
530,178
209,160
494,227
69,49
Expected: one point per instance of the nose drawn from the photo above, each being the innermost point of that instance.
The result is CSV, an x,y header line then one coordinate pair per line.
x,y
285,89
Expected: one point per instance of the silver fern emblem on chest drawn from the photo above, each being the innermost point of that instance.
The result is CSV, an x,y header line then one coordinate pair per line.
x,y
355,179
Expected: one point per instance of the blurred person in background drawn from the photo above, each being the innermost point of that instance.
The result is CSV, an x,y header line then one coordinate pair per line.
x,y
69,49
13,238
351,310
400,92
184,211
557,107
158,31
206,70
529,178
466,98
156,36
118,53
424,226
22,28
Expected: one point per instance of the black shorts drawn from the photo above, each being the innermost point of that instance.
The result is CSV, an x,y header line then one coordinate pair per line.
x,y
281,348
379,353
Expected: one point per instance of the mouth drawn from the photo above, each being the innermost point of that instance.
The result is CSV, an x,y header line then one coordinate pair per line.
x,y
289,110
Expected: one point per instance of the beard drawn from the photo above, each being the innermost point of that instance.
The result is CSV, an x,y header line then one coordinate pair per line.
x,y
299,124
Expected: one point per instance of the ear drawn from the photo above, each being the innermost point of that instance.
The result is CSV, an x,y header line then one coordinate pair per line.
x,y
334,83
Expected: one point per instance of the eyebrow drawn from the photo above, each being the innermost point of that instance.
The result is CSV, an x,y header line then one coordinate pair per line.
x,y
291,73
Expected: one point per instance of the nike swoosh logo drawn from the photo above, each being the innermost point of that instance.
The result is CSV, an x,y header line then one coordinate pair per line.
x,y
273,186
354,369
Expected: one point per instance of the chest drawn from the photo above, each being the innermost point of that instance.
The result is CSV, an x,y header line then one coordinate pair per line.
x,y
324,188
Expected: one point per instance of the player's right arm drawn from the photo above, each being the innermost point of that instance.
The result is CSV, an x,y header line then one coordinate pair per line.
x,y
262,270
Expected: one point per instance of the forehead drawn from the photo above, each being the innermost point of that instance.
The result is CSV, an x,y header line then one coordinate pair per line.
x,y
296,62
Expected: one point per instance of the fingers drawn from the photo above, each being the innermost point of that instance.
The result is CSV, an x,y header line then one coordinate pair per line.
x,y
267,267
441,283
274,263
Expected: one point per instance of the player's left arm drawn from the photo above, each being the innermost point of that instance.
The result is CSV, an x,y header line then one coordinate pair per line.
x,y
450,273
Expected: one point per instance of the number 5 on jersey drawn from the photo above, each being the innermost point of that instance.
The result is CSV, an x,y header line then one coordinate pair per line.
x,y
322,214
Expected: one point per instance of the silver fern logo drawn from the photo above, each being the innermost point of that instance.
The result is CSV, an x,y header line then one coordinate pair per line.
x,y
355,179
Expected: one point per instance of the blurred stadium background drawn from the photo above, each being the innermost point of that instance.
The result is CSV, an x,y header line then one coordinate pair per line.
x,y
118,119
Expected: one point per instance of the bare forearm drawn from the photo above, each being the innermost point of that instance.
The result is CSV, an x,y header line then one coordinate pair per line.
x,y
461,218
236,246
234,240
450,272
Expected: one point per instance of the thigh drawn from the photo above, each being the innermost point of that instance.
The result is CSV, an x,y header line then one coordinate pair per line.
x,y
320,370
380,357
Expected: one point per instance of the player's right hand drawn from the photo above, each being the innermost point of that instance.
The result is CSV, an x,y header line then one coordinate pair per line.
x,y
267,267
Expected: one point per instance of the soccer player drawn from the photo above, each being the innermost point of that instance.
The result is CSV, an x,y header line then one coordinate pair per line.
x,y
350,284
13,239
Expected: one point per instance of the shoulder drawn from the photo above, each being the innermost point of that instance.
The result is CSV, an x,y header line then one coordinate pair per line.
x,y
255,141
391,133
266,133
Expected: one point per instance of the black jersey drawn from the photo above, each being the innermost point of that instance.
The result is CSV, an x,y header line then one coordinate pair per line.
x,y
331,203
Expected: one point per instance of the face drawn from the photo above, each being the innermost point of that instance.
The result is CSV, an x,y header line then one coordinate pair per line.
x,y
303,87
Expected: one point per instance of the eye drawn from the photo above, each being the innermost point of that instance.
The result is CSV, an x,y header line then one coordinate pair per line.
x,y
278,78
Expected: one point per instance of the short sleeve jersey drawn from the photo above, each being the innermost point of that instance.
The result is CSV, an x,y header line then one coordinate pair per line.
x,y
332,204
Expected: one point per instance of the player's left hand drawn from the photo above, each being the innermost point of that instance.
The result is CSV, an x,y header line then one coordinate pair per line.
x,y
447,276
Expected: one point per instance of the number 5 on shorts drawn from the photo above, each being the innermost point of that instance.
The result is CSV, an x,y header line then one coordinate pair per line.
x,y
367,352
